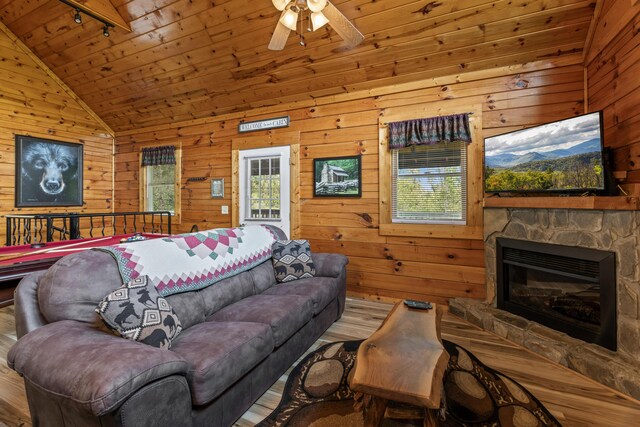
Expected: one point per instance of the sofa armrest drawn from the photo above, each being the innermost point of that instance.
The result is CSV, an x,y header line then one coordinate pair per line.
x,y
27,310
329,265
93,369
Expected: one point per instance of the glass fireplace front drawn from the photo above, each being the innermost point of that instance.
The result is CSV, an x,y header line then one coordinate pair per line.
x,y
569,289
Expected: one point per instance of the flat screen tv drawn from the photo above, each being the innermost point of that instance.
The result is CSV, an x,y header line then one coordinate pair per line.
x,y
563,156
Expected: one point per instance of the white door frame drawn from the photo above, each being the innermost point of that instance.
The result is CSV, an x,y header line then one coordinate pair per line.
x,y
272,139
283,153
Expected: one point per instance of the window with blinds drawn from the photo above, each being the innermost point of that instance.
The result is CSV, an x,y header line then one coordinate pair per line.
x,y
429,184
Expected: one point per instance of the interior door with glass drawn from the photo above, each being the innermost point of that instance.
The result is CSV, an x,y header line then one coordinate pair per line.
x,y
265,187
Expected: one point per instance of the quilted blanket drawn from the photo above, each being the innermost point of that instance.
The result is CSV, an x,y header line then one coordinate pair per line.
x,y
193,261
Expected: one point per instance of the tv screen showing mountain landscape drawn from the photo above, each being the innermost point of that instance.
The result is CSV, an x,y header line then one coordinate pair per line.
x,y
564,155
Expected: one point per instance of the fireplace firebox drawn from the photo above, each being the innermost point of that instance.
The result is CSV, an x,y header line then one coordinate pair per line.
x,y
566,288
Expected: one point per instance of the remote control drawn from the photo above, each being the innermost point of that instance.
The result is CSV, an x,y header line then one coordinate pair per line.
x,y
421,305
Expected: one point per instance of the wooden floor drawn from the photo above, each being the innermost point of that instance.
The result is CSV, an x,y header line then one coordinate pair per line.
x,y
573,399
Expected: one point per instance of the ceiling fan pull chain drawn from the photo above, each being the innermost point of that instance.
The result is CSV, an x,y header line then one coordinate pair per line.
x,y
302,42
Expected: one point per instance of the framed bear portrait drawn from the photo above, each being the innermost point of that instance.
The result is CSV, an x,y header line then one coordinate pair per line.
x,y
48,173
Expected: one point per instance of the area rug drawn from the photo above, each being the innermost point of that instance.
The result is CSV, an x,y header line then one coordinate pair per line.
x,y
317,394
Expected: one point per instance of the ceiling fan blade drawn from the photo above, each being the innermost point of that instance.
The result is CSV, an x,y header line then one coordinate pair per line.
x,y
343,27
279,38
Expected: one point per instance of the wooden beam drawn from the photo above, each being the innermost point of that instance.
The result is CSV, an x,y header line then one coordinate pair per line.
x,y
592,30
101,9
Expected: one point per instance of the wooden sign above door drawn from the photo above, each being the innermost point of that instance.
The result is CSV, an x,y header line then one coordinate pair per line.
x,y
278,122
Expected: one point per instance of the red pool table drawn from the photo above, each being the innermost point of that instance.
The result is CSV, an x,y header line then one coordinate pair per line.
x,y
18,261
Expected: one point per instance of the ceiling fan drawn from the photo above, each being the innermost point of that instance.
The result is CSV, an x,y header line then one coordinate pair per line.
x,y
320,13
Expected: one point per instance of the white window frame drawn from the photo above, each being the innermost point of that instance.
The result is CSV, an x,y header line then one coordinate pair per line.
x,y
249,199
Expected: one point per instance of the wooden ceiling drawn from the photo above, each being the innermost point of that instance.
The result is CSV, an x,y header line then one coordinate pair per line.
x,y
187,59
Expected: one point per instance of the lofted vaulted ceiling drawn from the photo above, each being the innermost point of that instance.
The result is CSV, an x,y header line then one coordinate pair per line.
x,y
187,59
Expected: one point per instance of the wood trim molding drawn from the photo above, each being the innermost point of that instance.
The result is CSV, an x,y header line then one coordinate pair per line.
x,y
272,139
592,30
473,228
15,40
605,203
609,24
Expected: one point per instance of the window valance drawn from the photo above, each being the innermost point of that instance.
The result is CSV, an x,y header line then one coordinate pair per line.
x,y
155,156
429,131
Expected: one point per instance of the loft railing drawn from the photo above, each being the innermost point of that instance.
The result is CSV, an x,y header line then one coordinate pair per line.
x,y
29,229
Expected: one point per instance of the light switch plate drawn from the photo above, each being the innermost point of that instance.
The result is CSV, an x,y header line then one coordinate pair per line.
x,y
225,210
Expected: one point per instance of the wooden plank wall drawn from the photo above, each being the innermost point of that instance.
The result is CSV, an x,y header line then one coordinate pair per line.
x,y
380,266
613,70
34,102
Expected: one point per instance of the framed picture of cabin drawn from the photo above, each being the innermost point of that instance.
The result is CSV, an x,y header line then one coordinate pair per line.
x,y
337,177
48,172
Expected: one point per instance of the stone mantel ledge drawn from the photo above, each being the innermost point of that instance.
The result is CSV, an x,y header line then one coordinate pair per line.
x,y
604,366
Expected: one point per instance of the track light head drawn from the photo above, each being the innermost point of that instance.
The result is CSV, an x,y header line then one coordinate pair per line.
x,y
105,31
77,17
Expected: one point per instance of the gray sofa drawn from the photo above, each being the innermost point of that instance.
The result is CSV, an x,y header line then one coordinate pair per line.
x,y
240,335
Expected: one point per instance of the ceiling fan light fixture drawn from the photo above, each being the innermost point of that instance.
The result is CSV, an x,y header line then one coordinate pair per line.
x,y
316,5
280,4
289,19
318,20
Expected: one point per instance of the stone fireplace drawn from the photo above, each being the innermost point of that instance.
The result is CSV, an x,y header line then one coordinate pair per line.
x,y
614,232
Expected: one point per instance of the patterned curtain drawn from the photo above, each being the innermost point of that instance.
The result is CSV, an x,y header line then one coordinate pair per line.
x,y
154,156
429,131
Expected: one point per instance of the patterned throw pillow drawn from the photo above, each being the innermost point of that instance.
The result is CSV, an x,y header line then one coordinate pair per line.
x,y
292,260
137,312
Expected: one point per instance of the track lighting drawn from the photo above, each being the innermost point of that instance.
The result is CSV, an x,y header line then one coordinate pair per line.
x,y
79,11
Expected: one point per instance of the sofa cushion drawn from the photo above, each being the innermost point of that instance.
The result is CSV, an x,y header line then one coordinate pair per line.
x,y
220,353
189,307
263,277
321,290
227,291
285,314
63,291
292,260
137,312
